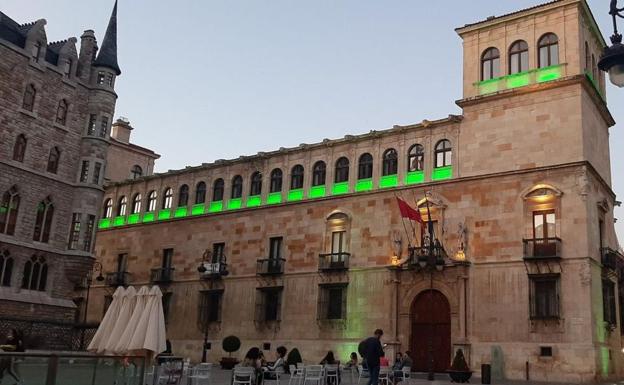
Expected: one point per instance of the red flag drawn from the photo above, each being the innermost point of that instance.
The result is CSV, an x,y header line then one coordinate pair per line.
x,y
408,212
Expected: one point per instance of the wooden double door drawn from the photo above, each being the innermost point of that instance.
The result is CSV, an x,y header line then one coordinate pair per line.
x,y
431,331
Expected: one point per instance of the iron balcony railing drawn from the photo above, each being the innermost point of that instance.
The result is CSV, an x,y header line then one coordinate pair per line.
x,y
117,278
213,270
270,266
162,275
334,261
542,248
424,255
610,258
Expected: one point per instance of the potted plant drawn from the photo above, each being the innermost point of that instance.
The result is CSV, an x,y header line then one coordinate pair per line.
x,y
230,345
459,371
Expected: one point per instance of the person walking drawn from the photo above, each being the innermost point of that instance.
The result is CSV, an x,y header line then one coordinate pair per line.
x,y
14,344
373,351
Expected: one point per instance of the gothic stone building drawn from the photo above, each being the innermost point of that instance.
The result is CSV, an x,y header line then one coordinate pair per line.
x,y
56,107
305,246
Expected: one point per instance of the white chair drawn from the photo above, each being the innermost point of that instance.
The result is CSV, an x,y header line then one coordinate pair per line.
x,y
272,375
385,376
170,373
332,374
296,375
243,375
406,372
313,374
149,375
200,374
363,373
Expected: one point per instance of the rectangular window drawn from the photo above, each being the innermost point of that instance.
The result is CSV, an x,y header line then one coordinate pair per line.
x,y
166,304
36,51
268,304
544,296
122,262
67,68
275,247
209,307
101,76
74,234
92,123
109,79
84,171
332,302
89,233
544,233
167,258
218,252
608,302
103,127
96,173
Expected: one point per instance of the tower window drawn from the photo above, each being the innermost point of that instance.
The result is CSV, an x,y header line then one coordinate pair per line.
x,y
296,178
548,48
101,77
342,170
256,184
519,57
217,190
136,171
19,149
103,127
390,162
53,160
318,173
136,203
108,208
84,171
43,221
151,200
9,207
35,274
200,193
61,112
276,180
365,166
490,64
89,233
168,198
29,97
74,232
237,187
122,206
6,268
92,124
416,158
443,153
183,196
96,173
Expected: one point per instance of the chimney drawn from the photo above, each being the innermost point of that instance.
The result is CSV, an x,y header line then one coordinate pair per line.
x,y
121,130
88,49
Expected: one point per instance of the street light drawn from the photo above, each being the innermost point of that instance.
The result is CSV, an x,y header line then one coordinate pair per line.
x,y
97,268
612,58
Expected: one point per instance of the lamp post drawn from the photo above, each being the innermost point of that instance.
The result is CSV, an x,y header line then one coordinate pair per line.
x,y
612,58
97,268
202,270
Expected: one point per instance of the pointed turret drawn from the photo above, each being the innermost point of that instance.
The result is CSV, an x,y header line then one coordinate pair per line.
x,y
107,56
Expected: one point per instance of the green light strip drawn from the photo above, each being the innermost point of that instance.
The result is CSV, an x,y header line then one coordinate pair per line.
x,y
274,198
148,217
548,74
340,188
119,221
389,181
198,209
180,212
235,203
317,192
164,214
442,173
415,177
295,195
254,201
364,185
216,206
105,223
518,80
521,79
133,219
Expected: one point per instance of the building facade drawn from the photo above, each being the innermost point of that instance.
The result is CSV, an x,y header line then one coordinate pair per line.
x,y
305,247
56,106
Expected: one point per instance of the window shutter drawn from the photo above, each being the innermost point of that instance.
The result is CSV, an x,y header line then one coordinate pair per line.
x,y
218,306
279,305
532,307
343,314
260,312
202,308
321,312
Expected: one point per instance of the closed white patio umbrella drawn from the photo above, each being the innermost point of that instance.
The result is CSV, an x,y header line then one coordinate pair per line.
x,y
98,343
139,307
150,334
125,312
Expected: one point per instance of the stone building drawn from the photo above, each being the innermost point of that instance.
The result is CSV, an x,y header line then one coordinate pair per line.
x,y
56,106
305,246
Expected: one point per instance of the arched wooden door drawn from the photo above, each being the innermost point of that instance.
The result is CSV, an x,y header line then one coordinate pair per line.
x,y
431,324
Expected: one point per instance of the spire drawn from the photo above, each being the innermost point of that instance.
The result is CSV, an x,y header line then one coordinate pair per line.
x,y
107,56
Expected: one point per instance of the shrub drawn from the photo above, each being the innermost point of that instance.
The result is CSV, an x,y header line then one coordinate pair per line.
x,y
459,362
231,344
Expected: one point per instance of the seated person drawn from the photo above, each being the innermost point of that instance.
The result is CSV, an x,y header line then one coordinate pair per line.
x,y
277,366
329,359
398,361
353,361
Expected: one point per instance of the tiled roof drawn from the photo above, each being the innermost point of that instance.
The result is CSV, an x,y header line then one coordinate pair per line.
x,y
107,56
11,31
511,13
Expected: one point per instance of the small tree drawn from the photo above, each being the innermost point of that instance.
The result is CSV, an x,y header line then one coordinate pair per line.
x,y
459,362
231,344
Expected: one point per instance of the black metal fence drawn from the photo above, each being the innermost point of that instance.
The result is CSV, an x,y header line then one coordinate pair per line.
x,y
50,335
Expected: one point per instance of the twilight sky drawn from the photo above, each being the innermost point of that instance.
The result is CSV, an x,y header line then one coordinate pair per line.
x,y
210,79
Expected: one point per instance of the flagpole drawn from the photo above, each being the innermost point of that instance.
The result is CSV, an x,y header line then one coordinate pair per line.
x,y
420,224
410,221
409,243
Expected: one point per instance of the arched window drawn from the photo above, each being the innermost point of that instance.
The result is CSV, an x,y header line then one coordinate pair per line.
x,y
183,196
151,200
237,187
29,98
594,69
108,208
136,203
19,149
35,274
296,177
365,166
53,160
318,173
200,193
548,48
167,198
6,268
61,112
518,57
490,64
390,162
276,180
136,171
587,58
122,206
217,190
416,158
342,170
43,221
256,184
9,207
443,153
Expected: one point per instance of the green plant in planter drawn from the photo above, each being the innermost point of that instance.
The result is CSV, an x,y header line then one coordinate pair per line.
x,y
459,362
230,344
